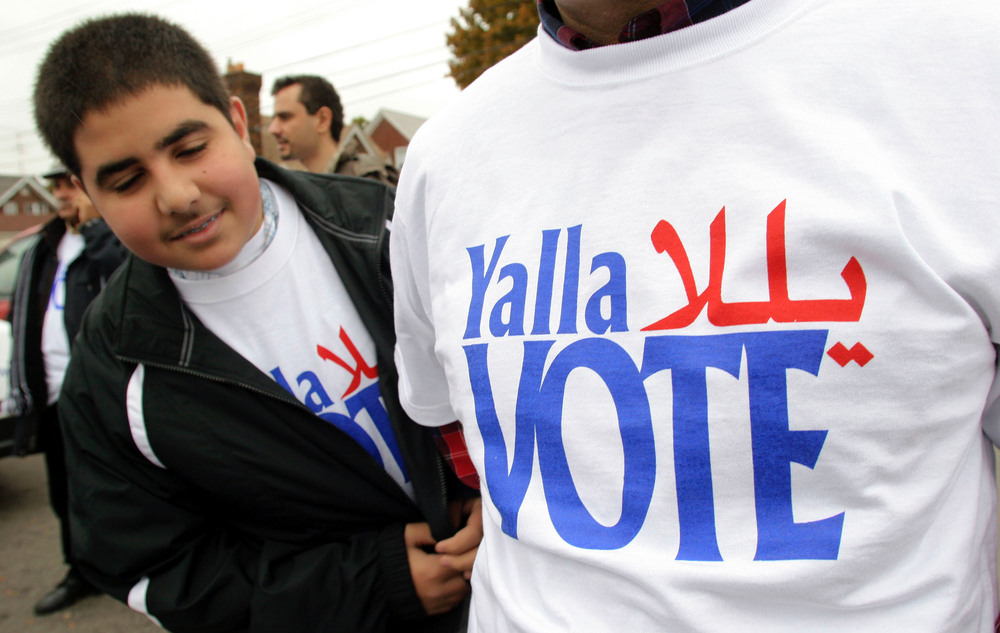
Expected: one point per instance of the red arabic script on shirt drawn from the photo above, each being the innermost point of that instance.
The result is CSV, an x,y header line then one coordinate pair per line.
x,y
778,307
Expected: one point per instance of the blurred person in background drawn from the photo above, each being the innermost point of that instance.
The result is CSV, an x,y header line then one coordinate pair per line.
x,y
59,276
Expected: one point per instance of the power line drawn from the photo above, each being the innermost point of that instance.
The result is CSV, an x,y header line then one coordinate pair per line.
x,y
37,158
405,71
353,47
18,133
341,72
388,60
23,104
380,95
24,143
287,24
42,26
348,87
17,107
25,37
367,81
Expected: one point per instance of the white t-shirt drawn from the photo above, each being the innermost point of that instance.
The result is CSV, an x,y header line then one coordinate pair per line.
x,y
717,310
302,330
55,339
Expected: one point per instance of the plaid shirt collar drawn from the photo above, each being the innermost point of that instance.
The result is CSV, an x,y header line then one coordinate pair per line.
x,y
669,16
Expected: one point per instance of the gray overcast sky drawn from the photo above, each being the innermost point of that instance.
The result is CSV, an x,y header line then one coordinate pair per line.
x,y
378,53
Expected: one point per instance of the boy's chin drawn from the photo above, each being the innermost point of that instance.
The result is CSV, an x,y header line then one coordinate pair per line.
x,y
201,263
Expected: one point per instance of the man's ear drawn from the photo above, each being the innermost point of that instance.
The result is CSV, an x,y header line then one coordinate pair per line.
x,y
238,113
324,116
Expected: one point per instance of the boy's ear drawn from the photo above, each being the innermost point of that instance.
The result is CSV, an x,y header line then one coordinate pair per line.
x,y
77,183
238,113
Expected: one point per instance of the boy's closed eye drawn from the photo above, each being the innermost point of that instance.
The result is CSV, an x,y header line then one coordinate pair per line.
x,y
126,182
192,151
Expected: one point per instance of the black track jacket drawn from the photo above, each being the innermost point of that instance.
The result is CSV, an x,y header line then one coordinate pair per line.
x,y
259,515
85,276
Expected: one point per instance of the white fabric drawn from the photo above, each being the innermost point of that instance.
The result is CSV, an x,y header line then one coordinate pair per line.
x,y
720,470
288,313
55,339
136,417
137,599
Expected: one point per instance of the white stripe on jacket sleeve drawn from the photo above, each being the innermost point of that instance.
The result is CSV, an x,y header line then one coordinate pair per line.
x,y
137,599
136,419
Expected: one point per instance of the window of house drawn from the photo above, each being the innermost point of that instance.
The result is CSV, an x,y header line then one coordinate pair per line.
x,y
10,208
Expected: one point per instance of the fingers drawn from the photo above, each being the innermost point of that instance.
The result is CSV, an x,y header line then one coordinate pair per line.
x,y
418,535
469,537
438,586
441,578
461,563
474,509
466,539
444,596
459,551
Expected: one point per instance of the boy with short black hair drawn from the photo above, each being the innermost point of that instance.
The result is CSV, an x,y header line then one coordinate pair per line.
x,y
230,410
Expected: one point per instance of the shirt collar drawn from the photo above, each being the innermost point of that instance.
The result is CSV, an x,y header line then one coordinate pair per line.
x,y
667,17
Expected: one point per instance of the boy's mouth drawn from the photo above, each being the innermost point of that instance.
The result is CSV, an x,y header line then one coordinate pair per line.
x,y
196,229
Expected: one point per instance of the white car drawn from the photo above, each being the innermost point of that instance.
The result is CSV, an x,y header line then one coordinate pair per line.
x,y
10,261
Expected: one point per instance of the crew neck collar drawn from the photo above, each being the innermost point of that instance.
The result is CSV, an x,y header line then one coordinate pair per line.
x,y
673,51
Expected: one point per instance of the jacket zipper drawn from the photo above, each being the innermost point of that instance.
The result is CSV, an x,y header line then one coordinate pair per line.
x,y
224,381
286,400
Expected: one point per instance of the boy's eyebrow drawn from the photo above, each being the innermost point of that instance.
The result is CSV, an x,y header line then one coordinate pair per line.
x,y
181,131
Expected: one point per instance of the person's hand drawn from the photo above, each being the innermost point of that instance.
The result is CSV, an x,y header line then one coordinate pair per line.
x,y
439,587
459,551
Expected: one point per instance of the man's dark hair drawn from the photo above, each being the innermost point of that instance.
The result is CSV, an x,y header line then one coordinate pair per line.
x,y
316,93
103,61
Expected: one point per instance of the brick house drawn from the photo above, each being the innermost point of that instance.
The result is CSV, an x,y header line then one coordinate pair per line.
x,y
24,202
392,132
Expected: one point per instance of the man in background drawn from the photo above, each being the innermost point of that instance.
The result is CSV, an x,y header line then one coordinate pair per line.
x,y
58,278
308,121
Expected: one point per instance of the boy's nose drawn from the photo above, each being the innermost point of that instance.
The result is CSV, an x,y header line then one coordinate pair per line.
x,y
176,194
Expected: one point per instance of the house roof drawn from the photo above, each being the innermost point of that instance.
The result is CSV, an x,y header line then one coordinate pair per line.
x,y
361,137
355,139
10,185
405,124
